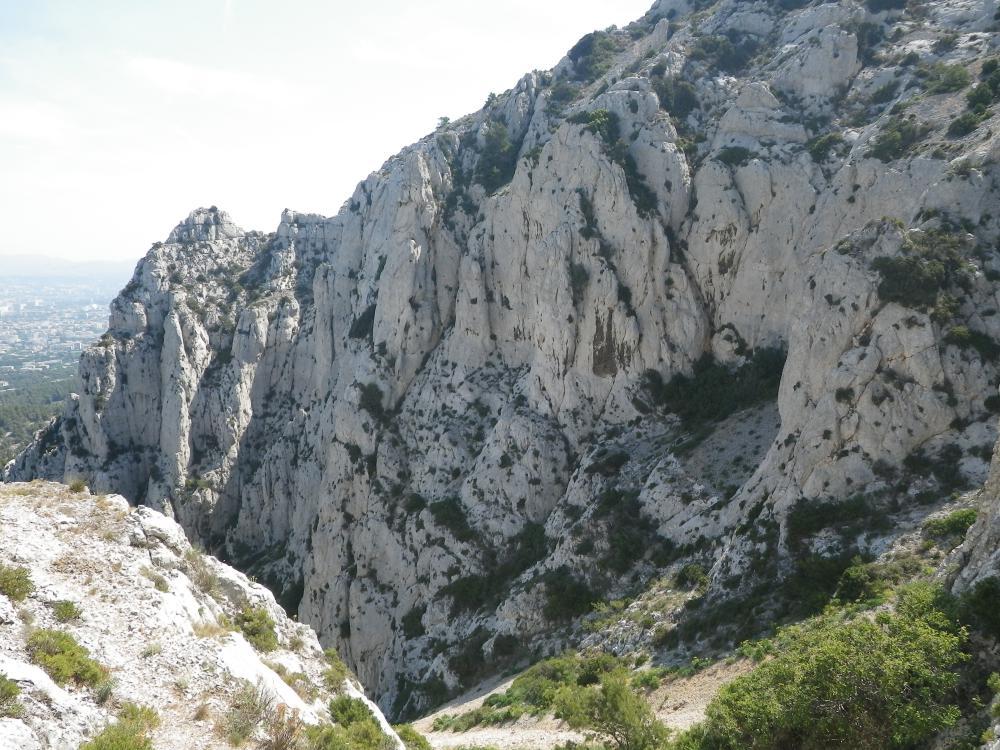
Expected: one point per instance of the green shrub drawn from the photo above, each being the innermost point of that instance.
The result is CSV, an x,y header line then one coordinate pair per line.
x,y
692,576
593,55
336,671
249,708
614,712
15,582
714,391
10,706
130,732
897,137
601,123
930,264
979,606
566,596
450,513
66,611
965,338
371,401
498,159
943,79
356,729
411,738
534,691
64,659
964,124
864,683
820,147
735,156
954,525
729,53
258,628
677,96
77,486
346,711
413,626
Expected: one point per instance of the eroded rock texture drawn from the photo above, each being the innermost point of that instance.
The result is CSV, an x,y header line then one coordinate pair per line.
x,y
430,419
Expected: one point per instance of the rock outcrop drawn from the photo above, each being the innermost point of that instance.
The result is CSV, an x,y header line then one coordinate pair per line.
x,y
439,423
154,613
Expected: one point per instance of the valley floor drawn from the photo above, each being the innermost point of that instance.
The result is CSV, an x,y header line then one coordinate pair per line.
x,y
679,704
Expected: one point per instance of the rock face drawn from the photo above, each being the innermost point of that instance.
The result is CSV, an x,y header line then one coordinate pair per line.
x,y
430,421
149,611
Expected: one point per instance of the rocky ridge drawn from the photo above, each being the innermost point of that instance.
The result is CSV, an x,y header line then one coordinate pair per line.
x,y
154,613
444,421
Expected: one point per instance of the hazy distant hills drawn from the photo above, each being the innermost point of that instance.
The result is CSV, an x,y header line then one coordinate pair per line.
x,y
48,267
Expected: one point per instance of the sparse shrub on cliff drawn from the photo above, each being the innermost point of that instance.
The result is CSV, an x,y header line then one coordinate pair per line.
x,y
735,156
258,628
964,124
130,732
498,159
897,138
65,660
714,391
10,706
336,671
729,53
979,607
950,530
248,709
566,595
943,79
15,582
601,123
821,146
66,611
930,263
371,400
356,728
677,96
450,513
200,572
593,55
411,738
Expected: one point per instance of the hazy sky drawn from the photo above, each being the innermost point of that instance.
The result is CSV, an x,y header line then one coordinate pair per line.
x,y
118,117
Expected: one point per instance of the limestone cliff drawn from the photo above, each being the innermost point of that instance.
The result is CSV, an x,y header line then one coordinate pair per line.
x,y
443,421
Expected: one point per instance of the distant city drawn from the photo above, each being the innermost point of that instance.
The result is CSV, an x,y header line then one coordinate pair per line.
x,y
50,311
44,325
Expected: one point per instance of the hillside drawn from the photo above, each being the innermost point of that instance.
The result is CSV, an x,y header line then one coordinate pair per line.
x,y
697,318
107,612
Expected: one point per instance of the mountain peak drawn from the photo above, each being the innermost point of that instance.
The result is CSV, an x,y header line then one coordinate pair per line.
x,y
205,225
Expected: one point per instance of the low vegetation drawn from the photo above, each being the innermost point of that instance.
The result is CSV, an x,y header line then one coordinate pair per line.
x,y
66,611
257,627
355,729
65,660
930,265
865,682
713,391
10,705
15,582
498,158
130,732
898,137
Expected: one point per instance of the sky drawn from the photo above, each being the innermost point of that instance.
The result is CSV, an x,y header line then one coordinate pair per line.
x,y
117,117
